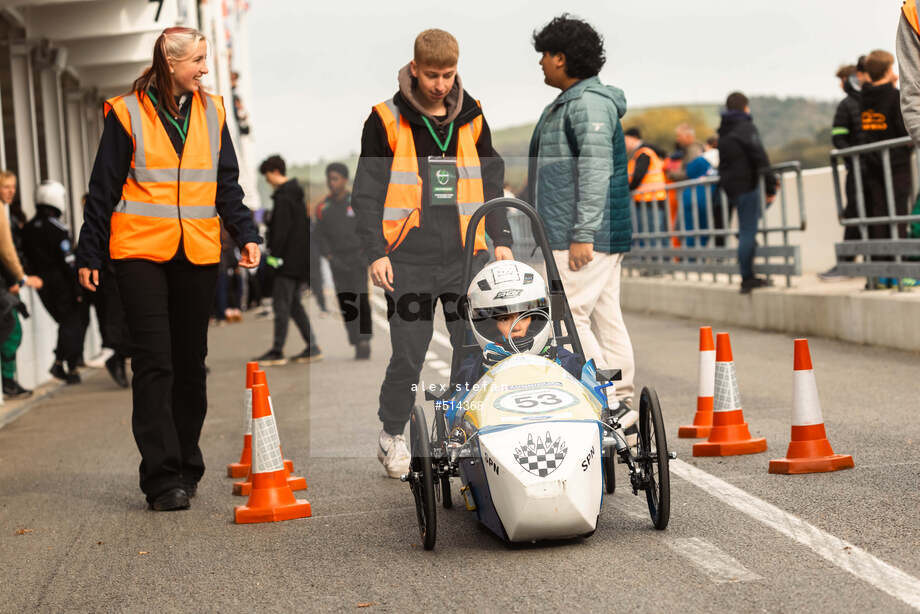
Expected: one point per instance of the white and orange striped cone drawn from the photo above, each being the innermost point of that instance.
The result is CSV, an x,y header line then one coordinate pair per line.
x,y
809,450
241,469
702,420
730,435
245,487
271,499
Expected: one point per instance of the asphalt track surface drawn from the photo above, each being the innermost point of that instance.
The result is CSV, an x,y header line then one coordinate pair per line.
x,y
75,533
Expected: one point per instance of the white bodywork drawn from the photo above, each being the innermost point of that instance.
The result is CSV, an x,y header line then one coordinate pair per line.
x,y
564,503
540,441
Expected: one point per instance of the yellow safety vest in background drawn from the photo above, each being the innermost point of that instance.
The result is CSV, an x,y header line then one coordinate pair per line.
x,y
910,12
402,209
166,200
654,176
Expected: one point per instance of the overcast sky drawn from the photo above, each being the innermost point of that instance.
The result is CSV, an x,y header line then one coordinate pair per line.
x,y
319,65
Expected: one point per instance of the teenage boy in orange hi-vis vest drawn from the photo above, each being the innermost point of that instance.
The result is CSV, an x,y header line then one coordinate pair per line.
x,y
426,165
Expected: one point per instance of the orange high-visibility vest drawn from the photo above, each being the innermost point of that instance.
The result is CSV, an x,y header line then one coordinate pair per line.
x,y
654,176
910,12
402,209
167,200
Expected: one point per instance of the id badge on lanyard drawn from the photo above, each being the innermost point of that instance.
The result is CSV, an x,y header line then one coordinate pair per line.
x,y
442,181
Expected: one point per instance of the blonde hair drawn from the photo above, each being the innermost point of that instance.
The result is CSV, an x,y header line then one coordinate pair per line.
x,y
5,174
175,43
436,48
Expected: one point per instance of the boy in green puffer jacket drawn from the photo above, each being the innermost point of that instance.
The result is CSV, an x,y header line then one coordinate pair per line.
x,y
578,182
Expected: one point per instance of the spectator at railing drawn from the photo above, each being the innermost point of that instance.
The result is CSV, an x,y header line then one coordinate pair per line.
x,y
711,153
881,120
646,172
847,132
741,160
696,169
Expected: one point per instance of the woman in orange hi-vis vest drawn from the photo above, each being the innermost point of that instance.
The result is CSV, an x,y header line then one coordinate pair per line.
x,y
165,175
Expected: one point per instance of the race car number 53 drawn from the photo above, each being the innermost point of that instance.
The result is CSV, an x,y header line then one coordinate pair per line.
x,y
535,401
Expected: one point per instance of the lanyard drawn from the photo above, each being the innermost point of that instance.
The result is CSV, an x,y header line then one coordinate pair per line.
x,y
437,141
183,130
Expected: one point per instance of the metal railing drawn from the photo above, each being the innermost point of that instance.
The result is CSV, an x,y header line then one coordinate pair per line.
x,y
877,200
695,239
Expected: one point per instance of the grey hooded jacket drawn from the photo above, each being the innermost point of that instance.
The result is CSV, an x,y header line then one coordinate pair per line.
x,y
577,175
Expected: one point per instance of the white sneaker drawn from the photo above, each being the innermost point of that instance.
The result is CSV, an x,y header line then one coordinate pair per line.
x,y
628,419
393,453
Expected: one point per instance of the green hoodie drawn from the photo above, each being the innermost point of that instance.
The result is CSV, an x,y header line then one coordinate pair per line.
x,y
577,175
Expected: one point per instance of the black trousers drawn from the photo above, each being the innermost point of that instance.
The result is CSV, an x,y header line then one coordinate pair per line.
x,y
350,280
167,307
417,288
876,200
287,306
109,311
58,298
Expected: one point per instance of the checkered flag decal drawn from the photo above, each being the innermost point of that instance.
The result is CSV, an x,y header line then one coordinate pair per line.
x,y
543,456
727,397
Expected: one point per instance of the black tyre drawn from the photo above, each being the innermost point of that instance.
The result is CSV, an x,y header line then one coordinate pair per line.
x,y
421,477
446,500
610,477
653,458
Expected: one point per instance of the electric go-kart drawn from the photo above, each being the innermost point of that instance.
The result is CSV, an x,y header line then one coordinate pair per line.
x,y
534,447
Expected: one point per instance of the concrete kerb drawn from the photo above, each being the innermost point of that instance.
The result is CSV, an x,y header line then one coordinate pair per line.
x,y
873,318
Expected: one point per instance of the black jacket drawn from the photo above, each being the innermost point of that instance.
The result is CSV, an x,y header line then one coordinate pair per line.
x,y
113,159
640,168
741,155
336,231
49,254
847,128
437,239
289,231
882,120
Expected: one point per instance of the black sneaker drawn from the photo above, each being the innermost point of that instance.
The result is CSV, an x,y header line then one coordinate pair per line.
x,y
363,350
12,390
115,365
69,377
752,284
310,354
189,486
832,274
271,358
169,501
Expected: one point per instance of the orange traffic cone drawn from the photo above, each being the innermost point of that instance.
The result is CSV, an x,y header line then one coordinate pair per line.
x,y
272,498
730,435
245,487
241,469
702,421
809,450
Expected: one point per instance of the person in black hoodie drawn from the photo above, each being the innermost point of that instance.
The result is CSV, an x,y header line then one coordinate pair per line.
x,y
49,253
288,244
422,265
847,132
742,159
881,120
337,236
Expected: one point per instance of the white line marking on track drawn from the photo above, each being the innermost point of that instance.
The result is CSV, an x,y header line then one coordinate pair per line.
x,y
715,563
843,554
437,364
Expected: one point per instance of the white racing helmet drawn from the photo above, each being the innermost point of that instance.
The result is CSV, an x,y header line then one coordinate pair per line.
x,y
505,287
53,194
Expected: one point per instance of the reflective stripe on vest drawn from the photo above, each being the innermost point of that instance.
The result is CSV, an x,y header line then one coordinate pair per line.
x,y
654,176
910,12
403,204
166,199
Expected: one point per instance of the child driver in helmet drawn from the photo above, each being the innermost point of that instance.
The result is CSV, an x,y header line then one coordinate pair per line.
x,y
510,314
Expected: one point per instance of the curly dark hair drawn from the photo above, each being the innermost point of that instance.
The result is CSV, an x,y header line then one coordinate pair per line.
x,y
582,45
